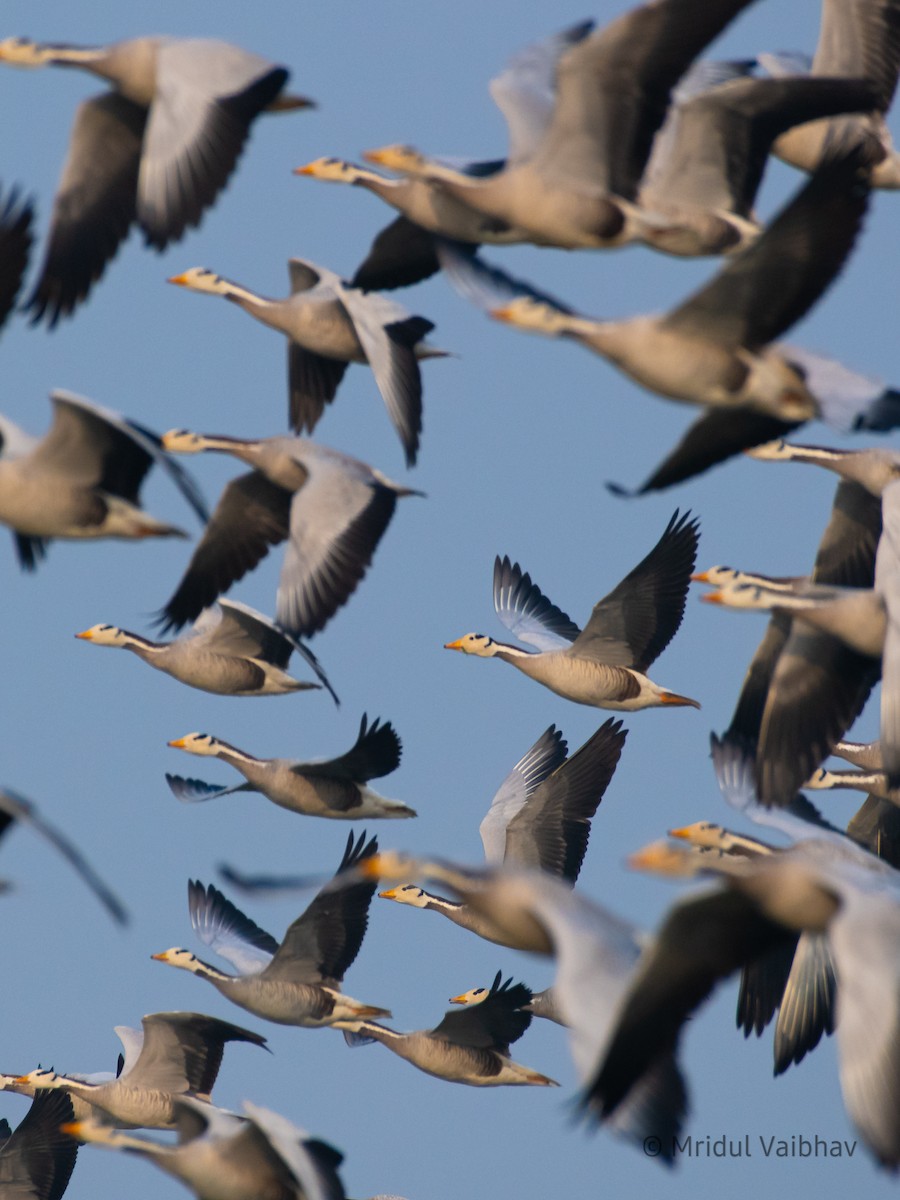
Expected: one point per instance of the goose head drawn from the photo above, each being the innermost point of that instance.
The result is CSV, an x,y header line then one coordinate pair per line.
x,y
183,441
201,279
475,643
535,316
744,595
176,957
104,635
332,170
22,52
197,743
42,1077
407,893
404,160
472,996
718,576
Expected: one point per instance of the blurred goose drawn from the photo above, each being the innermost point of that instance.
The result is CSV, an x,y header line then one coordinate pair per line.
x,y
329,788
157,149
539,818
330,324
578,184
862,38
232,650
37,1158
596,953
604,664
180,1054
331,509
404,252
17,808
469,1046
850,898
82,479
299,981
221,1156
16,216
717,349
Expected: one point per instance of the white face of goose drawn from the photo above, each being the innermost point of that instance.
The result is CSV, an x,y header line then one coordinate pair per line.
x,y
534,315
176,957
718,576
182,441
472,996
406,893
744,595
41,1077
196,743
20,52
104,635
700,833
201,279
474,643
399,158
334,170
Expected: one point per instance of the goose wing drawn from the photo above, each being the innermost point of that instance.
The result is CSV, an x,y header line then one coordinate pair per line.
x,y
375,753
494,1023
182,1051
526,611
227,931
533,768
16,216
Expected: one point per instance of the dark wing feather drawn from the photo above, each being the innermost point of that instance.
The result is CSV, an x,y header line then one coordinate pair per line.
x,y
401,254
37,1157
212,911
376,753
252,515
190,1046
313,381
762,986
16,216
495,1023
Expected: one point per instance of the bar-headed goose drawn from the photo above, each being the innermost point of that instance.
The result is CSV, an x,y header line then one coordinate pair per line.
x,y
222,1156
180,1055
540,817
17,808
331,509
470,1045
596,953
82,479
232,650
157,149
329,325
604,664
541,1004
718,348
16,216
37,1158
578,185
299,981
328,788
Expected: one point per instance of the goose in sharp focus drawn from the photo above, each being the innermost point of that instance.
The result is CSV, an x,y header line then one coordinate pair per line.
x,y
604,664
299,981
578,186
596,953
328,788
542,1004
17,808
82,479
404,252
470,1045
717,349
232,650
16,216
329,325
180,1054
221,1156
861,38
157,149
37,1158
540,817
331,509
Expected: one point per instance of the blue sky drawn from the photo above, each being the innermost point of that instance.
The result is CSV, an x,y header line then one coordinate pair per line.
x,y
520,436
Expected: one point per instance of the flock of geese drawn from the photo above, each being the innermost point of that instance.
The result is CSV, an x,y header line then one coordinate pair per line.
x,y
618,134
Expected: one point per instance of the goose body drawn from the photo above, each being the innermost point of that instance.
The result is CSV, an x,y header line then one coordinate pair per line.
x,y
299,981
603,665
335,788
330,325
156,150
83,479
330,508
232,651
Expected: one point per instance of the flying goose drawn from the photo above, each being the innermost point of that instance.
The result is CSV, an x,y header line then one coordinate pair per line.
x,y
329,325
331,509
157,149
17,808
604,664
327,788
16,216
404,252
233,650
82,479
37,1158
299,981
577,187
540,818
468,1046
222,1156
861,38
717,349
542,1004
596,953
180,1054
848,897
